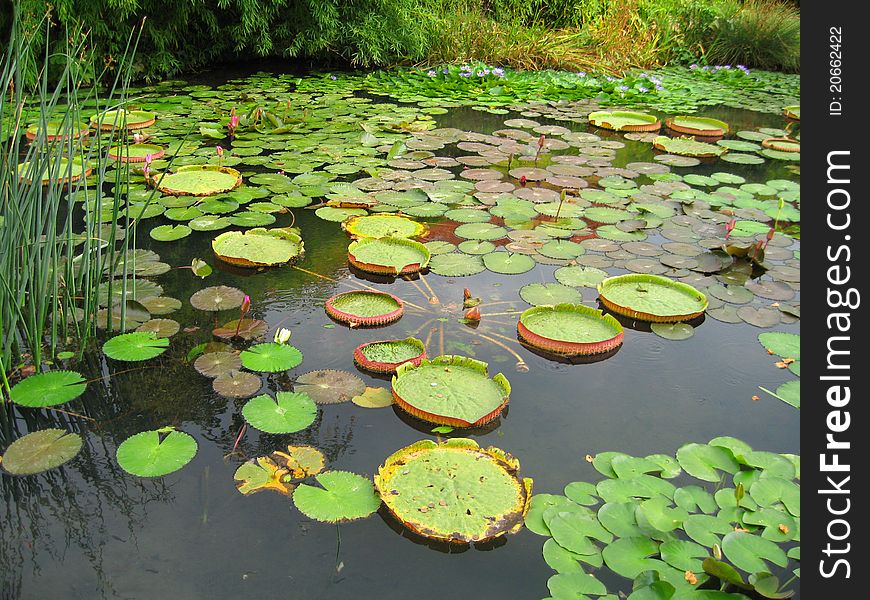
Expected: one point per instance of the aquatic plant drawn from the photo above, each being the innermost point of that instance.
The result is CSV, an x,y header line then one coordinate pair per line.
x,y
156,453
669,539
455,491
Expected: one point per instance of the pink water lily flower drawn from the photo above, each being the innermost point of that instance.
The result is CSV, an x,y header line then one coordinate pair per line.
x,y
219,150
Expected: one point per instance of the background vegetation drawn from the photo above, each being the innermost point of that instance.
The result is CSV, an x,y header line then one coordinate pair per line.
x,y
605,35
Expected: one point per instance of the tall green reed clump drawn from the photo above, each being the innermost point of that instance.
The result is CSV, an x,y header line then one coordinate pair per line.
x,y
58,229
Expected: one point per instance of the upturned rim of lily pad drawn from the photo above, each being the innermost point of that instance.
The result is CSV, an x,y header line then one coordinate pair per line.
x,y
396,464
659,280
649,122
376,366
146,119
783,144
121,153
458,363
84,172
289,235
354,225
32,132
367,321
381,269
789,111
525,329
716,127
157,180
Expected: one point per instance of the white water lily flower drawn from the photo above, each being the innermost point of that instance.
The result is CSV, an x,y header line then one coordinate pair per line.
x,y
282,336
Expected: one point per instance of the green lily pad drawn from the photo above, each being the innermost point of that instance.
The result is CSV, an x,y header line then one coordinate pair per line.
x,y
456,265
450,390
155,453
271,357
786,345
539,294
141,345
169,233
476,247
343,497
673,331
40,451
651,298
259,247
237,384
48,389
289,412
508,263
687,147
622,120
575,585
704,462
384,225
480,231
198,180
393,255
580,276
749,552
454,491
630,556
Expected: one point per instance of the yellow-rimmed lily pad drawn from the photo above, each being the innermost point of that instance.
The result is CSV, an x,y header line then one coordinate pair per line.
x,y
259,247
455,491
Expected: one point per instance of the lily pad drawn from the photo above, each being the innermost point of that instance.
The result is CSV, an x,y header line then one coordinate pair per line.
x,y
40,451
687,147
623,120
388,255
289,412
237,384
450,390
363,307
198,180
141,345
700,126
170,233
456,265
580,276
262,473
651,298
455,491
329,386
383,225
570,329
48,389
259,247
750,552
386,356
374,397
508,263
343,497
271,357
217,298
155,453
215,364
673,331
538,294
786,345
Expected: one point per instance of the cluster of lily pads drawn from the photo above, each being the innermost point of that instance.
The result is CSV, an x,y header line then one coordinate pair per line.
x,y
416,198
731,531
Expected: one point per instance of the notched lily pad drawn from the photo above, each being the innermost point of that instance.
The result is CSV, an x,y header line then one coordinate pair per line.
x,y
40,451
455,491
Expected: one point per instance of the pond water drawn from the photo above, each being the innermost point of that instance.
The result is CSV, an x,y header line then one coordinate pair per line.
x,y
90,530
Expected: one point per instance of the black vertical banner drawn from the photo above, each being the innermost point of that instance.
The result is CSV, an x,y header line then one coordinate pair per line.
x,y
834,47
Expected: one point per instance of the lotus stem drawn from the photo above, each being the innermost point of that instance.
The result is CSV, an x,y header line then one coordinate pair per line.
x,y
70,413
441,339
239,438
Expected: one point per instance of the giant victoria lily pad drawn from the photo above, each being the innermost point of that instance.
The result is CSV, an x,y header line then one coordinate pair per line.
x,y
651,298
385,356
451,390
135,153
198,180
123,119
368,308
700,126
388,255
377,226
259,247
624,120
685,146
455,491
570,329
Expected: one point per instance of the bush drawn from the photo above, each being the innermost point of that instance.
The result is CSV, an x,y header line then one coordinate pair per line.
x,y
761,33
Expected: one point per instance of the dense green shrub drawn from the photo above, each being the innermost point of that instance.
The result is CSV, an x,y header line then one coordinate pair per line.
x,y
185,35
